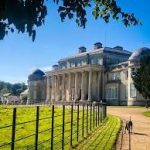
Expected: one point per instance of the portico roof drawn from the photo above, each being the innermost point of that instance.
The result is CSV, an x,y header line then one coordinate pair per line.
x,y
88,67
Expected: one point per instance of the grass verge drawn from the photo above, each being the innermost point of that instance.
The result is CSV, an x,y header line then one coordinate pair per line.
x,y
104,137
146,113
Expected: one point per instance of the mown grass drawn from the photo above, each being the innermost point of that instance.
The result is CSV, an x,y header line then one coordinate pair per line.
x,y
105,134
147,113
104,137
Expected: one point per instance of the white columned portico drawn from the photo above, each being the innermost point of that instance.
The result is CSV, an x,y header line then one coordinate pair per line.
x,y
90,86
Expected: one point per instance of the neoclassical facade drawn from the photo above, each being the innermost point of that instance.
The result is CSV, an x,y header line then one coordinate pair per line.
x,y
103,73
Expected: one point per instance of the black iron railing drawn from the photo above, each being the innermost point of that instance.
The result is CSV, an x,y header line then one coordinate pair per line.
x,y
77,121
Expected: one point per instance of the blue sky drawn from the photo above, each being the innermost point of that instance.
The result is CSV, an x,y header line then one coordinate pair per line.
x,y
19,56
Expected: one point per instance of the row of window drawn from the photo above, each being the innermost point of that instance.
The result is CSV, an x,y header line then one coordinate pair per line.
x,y
112,92
81,63
116,75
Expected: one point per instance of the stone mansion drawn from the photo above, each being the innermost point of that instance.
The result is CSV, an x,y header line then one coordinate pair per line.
x,y
102,73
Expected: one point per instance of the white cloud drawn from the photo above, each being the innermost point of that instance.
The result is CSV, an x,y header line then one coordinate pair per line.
x,y
46,68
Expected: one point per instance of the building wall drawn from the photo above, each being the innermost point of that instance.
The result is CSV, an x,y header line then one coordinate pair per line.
x,y
37,91
138,98
100,74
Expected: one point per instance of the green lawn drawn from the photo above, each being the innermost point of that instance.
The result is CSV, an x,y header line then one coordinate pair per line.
x,y
104,137
147,113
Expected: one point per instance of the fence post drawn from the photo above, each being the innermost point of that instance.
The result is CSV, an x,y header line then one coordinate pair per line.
x,y
101,113
93,116
13,129
52,128
105,110
87,117
78,122
37,127
63,127
90,116
71,125
83,122
98,113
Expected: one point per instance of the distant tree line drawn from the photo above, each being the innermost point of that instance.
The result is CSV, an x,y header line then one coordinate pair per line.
x,y
15,89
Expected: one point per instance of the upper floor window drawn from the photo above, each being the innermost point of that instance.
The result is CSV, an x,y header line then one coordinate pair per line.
x,y
68,64
115,76
78,63
84,62
100,61
72,64
133,71
126,75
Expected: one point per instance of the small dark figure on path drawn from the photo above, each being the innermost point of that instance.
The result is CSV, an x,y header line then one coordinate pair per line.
x,y
129,126
146,106
126,126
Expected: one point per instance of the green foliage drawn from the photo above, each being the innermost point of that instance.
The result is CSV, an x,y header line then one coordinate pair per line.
x,y
22,15
15,89
147,113
142,76
26,15
24,99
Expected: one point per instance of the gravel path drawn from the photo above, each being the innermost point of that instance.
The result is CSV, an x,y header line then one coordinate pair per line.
x,y
140,137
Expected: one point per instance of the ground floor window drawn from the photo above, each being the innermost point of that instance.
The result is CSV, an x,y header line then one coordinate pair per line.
x,y
132,90
112,93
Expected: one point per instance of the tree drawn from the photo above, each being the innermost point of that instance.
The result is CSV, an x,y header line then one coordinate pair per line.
x,y
141,78
17,88
14,89
25,15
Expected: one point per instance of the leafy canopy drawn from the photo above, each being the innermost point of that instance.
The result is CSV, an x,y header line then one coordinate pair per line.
x,y
141,77
26,15
14,89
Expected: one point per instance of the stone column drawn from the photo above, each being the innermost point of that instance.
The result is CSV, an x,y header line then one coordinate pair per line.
x,y
69,86
58,88
63,88
98,86
76,86
48,89
83,86
103,85
90,86
53,88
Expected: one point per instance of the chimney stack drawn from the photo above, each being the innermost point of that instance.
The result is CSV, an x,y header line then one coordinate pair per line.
x,y
97,45
82,49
